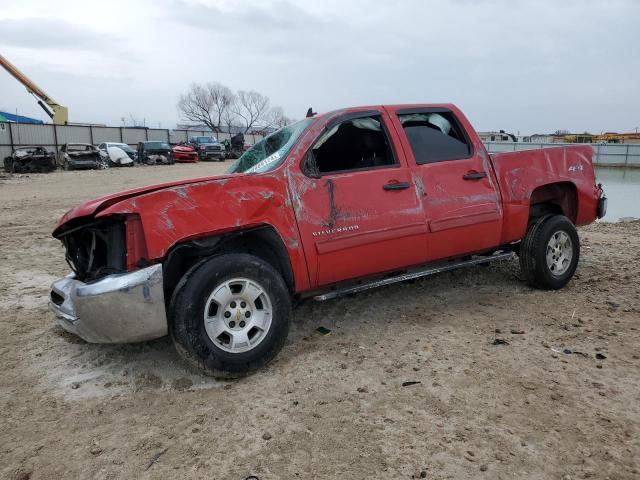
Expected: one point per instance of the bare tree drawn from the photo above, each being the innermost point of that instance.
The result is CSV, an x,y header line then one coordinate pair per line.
x,y
253,110
135,121
208,104
278,118
216,106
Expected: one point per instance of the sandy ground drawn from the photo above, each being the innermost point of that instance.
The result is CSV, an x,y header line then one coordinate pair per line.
x,y
329,406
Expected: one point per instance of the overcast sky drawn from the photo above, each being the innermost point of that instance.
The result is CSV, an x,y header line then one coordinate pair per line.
x,y
528,66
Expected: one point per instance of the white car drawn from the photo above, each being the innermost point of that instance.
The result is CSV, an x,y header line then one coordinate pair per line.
x,y
117,154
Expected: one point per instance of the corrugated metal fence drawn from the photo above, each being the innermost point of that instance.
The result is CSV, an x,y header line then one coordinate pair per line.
x,y
607,155
14,135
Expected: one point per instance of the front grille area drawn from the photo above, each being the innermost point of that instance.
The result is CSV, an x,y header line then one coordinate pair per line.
x,y
214,148
96,249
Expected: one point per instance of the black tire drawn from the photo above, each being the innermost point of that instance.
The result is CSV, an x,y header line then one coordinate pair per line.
x,y
9,165
533,252
187,311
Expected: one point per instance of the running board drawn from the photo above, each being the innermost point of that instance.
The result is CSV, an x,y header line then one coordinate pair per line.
x,y
411,276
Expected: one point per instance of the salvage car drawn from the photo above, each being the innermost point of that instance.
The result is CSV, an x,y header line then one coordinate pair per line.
x,y
208,148
74,156
154,153
30,160
184,152
331,205
117,154
235,146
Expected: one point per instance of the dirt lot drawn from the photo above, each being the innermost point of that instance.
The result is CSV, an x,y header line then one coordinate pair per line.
x,y
329,406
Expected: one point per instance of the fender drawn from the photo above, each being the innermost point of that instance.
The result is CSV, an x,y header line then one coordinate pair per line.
x,y
521,173
218,206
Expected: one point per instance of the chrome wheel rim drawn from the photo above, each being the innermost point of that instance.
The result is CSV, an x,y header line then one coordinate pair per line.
x,y
559,253
237,315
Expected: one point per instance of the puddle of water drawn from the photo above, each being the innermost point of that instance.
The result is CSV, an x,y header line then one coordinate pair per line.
x,y
622,186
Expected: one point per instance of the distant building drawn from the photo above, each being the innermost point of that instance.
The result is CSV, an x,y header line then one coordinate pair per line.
x,y
610,137
13,118
500,136
541,138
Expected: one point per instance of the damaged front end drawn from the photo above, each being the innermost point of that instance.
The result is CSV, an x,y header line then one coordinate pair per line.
x,y
96,249
157,158
80,156
30,160
106,299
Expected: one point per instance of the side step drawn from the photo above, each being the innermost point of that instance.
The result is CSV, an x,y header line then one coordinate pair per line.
x,y
411,275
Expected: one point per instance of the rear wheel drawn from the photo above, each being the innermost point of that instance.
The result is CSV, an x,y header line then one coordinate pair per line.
x,y
230,315
550,252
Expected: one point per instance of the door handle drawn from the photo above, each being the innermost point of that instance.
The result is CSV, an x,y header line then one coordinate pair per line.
x,y
473,175
396,186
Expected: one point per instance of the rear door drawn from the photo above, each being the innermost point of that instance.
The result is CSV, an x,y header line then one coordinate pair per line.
x,y
460,197
356,206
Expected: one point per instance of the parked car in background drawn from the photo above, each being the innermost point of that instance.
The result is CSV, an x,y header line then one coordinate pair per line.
x,y
235,146
208,148
30,160
153,153
328,206
184,152
74,156
117,154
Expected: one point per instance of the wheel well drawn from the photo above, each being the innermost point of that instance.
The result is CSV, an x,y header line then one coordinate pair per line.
x,y
559,198
263,242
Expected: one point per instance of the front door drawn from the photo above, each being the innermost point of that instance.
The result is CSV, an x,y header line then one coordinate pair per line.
x,y
356,205
460,197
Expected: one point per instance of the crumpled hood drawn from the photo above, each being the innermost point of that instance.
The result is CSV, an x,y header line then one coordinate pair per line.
x,y
92,207
183,148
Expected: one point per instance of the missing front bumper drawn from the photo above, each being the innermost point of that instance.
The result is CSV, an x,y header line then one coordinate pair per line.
x,y
121,308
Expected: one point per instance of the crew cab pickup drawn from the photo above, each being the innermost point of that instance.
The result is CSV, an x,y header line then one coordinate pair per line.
x,y
333,204
208,148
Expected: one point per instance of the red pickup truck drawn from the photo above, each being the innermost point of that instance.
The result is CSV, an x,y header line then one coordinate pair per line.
x,y
333,204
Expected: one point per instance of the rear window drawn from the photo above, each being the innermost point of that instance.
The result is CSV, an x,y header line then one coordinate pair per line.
x,y
157,145
435,137
79,148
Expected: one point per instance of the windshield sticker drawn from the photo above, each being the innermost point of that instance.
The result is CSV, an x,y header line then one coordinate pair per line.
x,y
267,161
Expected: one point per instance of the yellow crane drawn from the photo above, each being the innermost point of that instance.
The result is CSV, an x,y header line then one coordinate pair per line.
x,y
58,113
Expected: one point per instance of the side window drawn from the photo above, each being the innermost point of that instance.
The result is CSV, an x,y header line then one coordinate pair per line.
x,y
434,137
355,144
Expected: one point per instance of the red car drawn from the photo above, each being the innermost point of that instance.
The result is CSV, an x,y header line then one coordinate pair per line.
x,y
184,153
331,205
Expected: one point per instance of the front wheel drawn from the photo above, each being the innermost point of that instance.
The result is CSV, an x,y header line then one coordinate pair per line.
x,y
549,252
230,315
